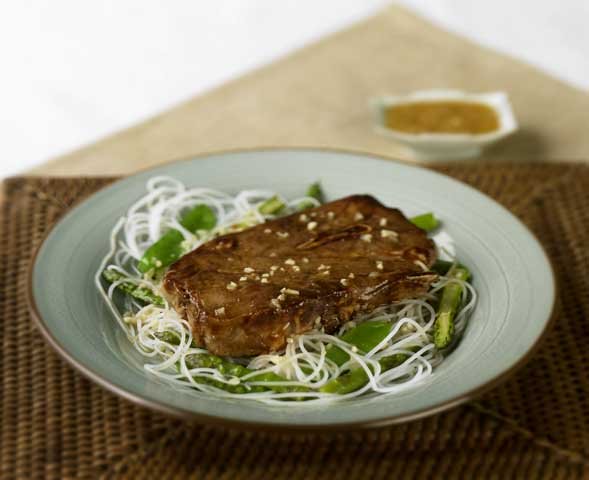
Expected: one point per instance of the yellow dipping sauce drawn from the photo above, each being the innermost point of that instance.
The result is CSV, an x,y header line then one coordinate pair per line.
x,y
441,117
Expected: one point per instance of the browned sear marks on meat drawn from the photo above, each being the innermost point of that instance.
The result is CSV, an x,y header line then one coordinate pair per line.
x,y
306,278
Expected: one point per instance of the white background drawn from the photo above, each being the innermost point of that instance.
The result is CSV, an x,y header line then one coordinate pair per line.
x,y
74,71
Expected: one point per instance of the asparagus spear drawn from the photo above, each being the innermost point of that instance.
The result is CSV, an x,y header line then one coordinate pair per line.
x,y
451,295
169,247
443,335
426,221
169,337
204,360
239,388
140,293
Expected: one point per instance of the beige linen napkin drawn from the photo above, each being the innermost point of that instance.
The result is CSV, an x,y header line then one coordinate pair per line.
x,y
319,95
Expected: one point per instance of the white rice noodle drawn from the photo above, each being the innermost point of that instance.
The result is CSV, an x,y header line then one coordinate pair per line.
x,y
304,363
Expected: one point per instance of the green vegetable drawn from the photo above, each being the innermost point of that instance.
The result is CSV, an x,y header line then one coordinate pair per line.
x,y
168,248
451,295
140,293
231,369
240,388
426,221
204,360
272,206
346,383
442,267
364,337
163,252
393,361
357,377
314,191
200,217
169,337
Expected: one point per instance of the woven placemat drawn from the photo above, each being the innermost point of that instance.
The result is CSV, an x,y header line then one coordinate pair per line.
x,y
56,424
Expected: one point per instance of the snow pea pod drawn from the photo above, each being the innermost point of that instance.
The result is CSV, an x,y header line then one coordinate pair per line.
x,y
364,337
169,248
357,377
426,221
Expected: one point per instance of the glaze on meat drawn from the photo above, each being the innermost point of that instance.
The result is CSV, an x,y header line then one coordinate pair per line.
x,y
245,293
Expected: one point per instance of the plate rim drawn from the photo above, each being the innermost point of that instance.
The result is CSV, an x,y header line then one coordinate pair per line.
x,y
189,415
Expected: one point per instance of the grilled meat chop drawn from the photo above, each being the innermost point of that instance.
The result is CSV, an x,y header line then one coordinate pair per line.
x,y
246,293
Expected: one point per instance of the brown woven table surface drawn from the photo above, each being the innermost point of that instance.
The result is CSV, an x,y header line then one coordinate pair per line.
x,y
56,424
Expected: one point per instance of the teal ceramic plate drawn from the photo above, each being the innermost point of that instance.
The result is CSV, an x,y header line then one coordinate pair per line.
x,y
511,273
